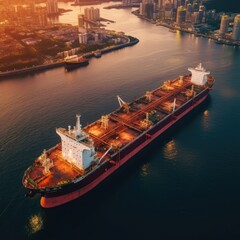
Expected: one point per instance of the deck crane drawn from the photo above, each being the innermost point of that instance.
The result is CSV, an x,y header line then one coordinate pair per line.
x,y
123,104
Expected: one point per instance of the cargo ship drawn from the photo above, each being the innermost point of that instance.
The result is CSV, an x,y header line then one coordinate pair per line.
x,y
86,156
72,62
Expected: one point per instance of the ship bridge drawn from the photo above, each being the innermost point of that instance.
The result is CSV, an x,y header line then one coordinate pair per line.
x,y
199,75
77,148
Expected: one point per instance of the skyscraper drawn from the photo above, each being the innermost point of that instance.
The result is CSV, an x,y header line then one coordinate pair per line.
x,y
236,28
52,7
160,4
224,24
92,13
127,2
201,13
82,37
81,23
181,15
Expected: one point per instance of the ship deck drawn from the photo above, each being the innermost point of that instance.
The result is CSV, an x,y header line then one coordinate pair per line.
x,y
122,127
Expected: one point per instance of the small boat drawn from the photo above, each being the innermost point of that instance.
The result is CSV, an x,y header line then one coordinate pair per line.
x,y
98,54
72,62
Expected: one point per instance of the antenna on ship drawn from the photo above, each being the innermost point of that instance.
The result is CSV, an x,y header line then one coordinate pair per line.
x,y
78,128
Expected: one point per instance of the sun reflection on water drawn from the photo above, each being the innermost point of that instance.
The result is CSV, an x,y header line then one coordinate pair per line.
x,y
205,121
170,150
144,170
35,223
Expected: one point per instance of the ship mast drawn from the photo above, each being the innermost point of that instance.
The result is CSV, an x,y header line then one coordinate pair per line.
x,y
78,125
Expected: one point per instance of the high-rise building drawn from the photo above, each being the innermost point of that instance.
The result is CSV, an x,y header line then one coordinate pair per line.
x,y
92,13
167,4
52,6
127,2
224,24
195,18
96,14
201,12
189,13
82,38
160,4
236,28
181,15
80,20
195,7
148,8
180,3
189,7
81,24
41,17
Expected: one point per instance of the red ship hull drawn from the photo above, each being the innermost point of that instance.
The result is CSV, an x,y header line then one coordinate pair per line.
x,y
49,201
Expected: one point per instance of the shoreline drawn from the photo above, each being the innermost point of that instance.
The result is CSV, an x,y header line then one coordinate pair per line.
x,y
44,67
228,42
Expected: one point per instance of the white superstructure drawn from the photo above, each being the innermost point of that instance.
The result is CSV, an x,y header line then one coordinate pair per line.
x,y
199,75
77,148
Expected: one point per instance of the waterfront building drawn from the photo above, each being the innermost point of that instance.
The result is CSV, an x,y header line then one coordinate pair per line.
x,y
81,23
187,2
174,3
180,3
41,17
168,5
96,14
96,37
168,14
164,2
126,2
52,7
82,37
160,4
202,8
148,8
181,15
201,12
92,13
236,28
80,20
189,11
142,9
195,18
224,24
195,7
189,7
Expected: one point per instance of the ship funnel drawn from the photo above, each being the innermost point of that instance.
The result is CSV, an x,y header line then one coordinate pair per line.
x,y
78,128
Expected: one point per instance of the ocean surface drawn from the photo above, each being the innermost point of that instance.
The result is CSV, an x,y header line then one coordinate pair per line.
x,y
183,186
